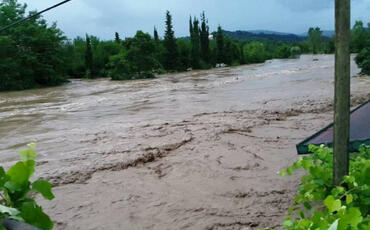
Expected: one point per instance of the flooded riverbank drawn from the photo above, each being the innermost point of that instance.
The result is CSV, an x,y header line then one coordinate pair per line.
x,y
195,150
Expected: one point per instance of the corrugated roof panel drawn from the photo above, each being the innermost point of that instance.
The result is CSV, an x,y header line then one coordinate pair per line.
x,y
359,131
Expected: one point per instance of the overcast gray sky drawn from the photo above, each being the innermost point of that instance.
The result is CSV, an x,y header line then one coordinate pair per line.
x,y
104,17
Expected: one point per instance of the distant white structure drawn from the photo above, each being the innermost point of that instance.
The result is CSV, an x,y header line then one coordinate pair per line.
x,y
210,37
221,65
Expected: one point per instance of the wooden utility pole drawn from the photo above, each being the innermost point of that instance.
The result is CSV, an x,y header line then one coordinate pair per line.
x,y
342,89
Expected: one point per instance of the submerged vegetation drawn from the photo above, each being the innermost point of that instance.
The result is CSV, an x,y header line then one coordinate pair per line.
x,y
321,205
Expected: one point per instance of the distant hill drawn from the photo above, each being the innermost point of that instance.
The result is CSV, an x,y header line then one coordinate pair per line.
x,y
267,32
264,34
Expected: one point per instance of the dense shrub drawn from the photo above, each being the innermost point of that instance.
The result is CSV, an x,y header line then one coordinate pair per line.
x,y
363,61
321,205
31,54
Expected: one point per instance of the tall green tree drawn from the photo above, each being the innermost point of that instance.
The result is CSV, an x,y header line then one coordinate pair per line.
x,y
156,37
141,54
117,38
136,62
360,37
32,53
195,44
171,53
88,58
184,47
220,45
315,39
204,38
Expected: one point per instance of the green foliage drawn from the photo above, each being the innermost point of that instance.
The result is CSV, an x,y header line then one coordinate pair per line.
x,y
31,54
171,51
156,36
255,52
220,45
315,39
320,204
15,188
34,54
363,61
204,39
117,39
140,56
184,47
138,61
195,43
88,58
295,52
360,37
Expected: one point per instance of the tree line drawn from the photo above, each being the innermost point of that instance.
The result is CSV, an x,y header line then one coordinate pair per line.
x,y
36,55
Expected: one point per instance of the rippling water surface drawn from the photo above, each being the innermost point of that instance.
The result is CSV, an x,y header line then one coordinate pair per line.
x,y
59,119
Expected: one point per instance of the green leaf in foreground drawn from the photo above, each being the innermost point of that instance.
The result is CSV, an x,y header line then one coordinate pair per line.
x,y
21,172
44,188
27,154
332,204
349,199
33,214
351,218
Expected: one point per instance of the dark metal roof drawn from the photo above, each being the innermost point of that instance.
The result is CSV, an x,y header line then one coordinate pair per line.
x,y
359,132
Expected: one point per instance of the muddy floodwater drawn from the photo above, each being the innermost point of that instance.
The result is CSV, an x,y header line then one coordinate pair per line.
x,y
194,150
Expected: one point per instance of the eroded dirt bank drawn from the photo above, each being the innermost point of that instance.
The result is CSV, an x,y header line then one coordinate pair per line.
x,y
198,150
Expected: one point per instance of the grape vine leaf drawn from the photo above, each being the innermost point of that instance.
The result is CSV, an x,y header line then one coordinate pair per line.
x,y
44,188
332,204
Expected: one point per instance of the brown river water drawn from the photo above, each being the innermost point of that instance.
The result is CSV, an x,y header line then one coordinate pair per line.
x,y
193,150
59,119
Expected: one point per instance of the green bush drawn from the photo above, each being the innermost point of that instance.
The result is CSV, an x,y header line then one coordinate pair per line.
x,y
15,188
321,205
295,52
32,53
363,61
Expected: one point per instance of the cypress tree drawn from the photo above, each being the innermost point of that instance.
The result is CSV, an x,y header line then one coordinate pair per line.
x,y
191,28
195,44
88,58
117,38
156,37
171,52
204,38
220,45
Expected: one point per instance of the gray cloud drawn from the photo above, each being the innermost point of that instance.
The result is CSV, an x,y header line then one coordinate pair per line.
x,y
304,5
103,18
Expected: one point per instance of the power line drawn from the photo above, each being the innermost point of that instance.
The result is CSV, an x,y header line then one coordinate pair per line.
x,y
32,16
